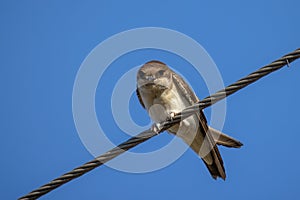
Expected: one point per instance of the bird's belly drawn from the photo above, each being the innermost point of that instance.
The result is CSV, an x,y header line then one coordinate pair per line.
x,y
168,103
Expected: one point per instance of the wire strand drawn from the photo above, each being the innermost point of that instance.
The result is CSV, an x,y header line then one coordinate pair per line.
x,y
145,135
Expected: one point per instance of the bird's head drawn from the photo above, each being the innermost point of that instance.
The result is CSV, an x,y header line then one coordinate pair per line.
x,y
154,75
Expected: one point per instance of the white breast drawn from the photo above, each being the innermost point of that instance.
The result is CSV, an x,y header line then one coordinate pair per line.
x,y
170,101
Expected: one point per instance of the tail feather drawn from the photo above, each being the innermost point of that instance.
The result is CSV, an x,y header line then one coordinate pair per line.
x,y
216,168
204,141
211,157
223,139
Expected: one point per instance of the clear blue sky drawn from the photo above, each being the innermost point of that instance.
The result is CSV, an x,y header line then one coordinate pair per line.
x,y
43,44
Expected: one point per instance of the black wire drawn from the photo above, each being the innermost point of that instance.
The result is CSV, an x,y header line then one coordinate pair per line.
x,y
140,138
243,82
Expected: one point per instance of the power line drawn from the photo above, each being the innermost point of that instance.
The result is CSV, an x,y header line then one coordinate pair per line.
x,y
142,137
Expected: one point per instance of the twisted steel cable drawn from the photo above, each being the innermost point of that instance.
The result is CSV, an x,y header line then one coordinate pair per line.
x,y
243,82
145,135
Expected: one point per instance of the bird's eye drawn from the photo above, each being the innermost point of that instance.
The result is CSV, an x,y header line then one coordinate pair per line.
x,y
161,72
142,74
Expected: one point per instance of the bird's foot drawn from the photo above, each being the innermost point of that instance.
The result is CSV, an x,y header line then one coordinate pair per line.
x,y
171,116
156,128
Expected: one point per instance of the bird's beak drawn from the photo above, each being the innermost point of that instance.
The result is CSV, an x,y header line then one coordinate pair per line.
x,y
150,78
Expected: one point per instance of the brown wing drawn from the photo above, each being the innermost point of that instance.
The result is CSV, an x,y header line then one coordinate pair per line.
x,y
216,167
189,94
140,98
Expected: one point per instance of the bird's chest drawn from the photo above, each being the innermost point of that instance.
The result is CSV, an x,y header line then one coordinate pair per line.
x,y
170,101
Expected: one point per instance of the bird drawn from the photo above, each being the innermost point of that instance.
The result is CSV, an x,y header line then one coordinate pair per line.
x,y
163,93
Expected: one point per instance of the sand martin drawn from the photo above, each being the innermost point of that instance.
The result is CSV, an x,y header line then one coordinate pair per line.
x,y
162,92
